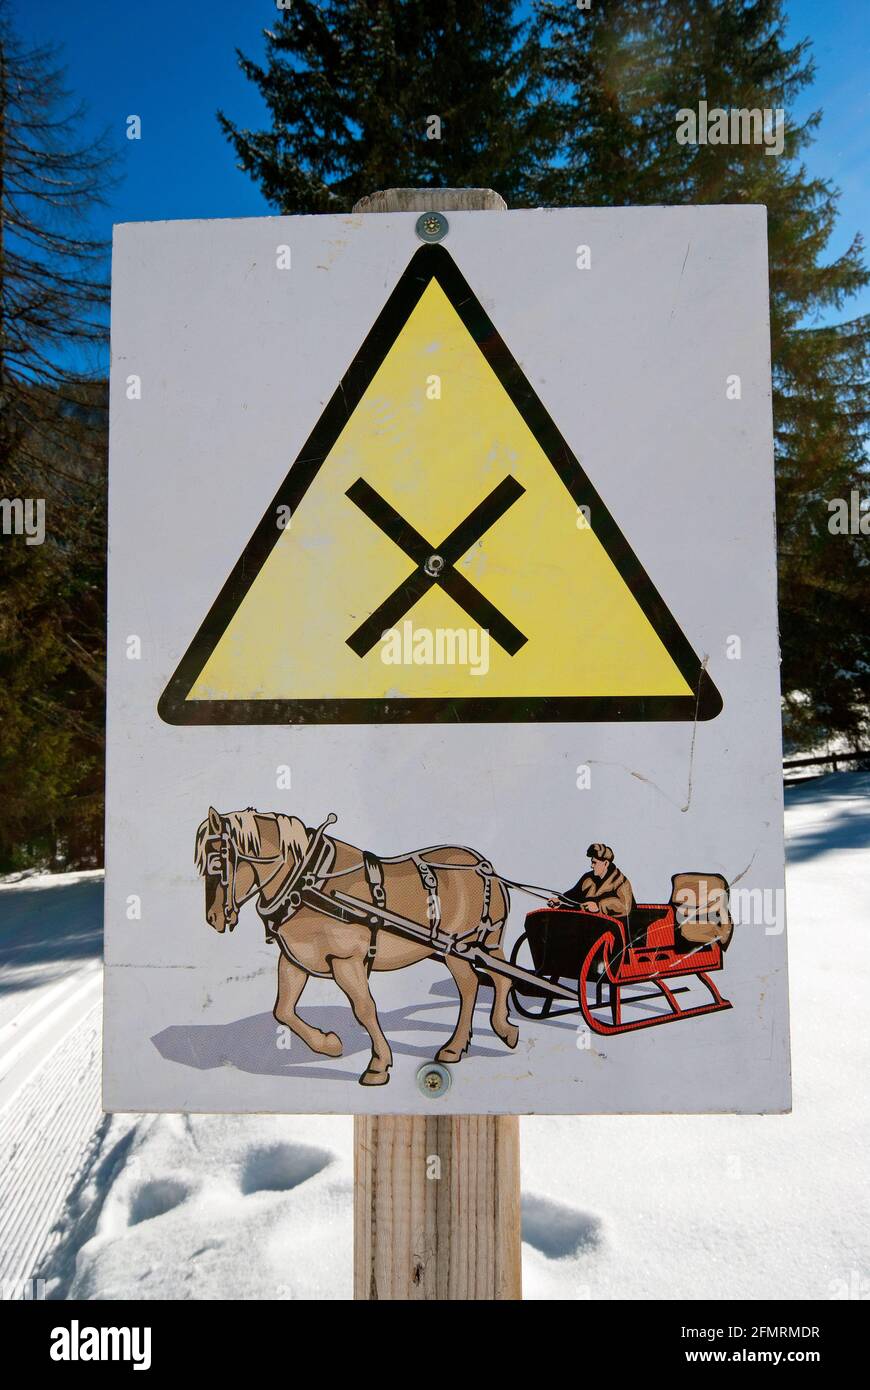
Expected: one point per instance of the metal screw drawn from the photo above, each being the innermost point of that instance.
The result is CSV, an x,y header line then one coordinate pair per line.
x,y
432,226
433,1080
434,565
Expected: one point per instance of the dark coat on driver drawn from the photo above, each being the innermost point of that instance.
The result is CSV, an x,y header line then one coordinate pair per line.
x,y
612,893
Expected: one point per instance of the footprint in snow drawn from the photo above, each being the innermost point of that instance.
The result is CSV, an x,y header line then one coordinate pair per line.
x,y
559,1231
279,1167
156,1198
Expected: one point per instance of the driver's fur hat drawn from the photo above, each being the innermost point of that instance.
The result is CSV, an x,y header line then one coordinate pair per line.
x,y
598,851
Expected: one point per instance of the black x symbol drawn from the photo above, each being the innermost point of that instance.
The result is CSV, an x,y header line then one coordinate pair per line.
x,y
435,566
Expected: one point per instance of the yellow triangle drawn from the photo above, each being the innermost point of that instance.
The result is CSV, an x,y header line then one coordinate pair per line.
x,y
434,460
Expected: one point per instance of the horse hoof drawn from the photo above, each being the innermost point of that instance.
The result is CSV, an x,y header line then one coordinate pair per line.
x,y
374,1078
449,1054
511,1036
330,1045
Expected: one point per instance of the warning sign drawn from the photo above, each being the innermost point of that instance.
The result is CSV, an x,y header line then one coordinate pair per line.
x,y
437,528
444,756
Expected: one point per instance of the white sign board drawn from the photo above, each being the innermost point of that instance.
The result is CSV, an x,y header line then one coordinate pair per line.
x,y
467,542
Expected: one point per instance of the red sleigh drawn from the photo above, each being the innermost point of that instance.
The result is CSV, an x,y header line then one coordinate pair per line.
x,y
637,960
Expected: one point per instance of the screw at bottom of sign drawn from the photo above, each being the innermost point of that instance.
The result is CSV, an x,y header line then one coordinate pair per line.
x,y
433,1080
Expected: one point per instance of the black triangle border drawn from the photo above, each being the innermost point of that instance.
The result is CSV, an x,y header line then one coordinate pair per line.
x,y
428,263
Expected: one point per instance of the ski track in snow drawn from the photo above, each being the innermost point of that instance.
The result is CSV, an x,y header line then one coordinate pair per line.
x,y
50,1029
680,1207
44,1129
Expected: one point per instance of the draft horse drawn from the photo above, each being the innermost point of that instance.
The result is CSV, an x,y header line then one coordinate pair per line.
x,y
449,890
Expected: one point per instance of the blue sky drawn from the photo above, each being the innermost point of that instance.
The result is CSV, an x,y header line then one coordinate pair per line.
x,y
173,62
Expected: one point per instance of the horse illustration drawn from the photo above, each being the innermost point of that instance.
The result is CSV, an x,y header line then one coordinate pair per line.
x,y
449,892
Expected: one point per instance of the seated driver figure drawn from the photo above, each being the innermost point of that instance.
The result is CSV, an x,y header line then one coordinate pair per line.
x,y
603,889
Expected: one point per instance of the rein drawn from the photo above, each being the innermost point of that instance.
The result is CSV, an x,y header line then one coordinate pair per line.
x,y
482,865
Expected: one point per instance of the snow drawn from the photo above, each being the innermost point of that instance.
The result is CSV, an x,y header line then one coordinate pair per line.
x,y
677,1207
50,946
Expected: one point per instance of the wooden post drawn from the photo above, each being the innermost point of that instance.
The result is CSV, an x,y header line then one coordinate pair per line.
x,y
432,200
437,1207
436,1197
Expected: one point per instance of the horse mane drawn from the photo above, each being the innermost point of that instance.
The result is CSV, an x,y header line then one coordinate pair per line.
x,y
246,836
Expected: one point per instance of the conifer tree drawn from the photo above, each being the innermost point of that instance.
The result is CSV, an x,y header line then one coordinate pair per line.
x,y
619,74
368,94
53,303
54,290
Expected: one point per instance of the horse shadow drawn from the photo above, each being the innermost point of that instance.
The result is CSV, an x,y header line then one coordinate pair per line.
x,y
260,1045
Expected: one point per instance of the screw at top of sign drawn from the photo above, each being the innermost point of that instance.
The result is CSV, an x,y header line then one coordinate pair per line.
x,y
432,226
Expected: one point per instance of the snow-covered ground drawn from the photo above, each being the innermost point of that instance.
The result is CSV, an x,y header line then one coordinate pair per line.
x,y
50,991
681,1207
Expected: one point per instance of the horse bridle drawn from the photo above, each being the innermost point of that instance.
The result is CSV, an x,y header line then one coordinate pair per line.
x,y
222,856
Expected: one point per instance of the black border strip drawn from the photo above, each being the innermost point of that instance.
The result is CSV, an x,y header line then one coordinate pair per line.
x,y
428,263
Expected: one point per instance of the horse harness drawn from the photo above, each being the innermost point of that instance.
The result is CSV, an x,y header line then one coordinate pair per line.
x,y
305,888
441,942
